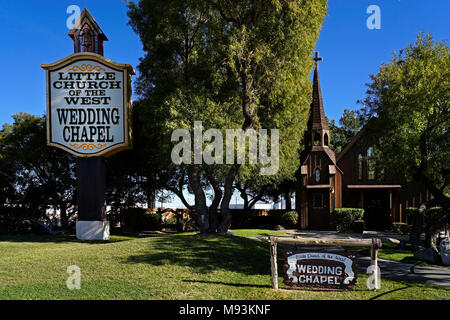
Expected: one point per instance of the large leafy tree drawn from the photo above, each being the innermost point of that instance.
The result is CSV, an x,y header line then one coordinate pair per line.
x,y
410,98
37,177
230,64
135,175
349,125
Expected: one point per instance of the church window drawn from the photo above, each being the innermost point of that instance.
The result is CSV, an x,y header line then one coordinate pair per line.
x,y
318,201
370,164
360,166
325,138
381,174
317,139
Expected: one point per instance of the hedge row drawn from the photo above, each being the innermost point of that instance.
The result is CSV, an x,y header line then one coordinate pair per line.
x,y
344,219
241,219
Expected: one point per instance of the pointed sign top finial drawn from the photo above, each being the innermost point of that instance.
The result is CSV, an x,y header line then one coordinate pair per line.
x,y
87,35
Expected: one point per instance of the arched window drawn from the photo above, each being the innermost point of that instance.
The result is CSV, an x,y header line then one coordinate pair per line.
x,y
325,139
360,166
370,164
317,139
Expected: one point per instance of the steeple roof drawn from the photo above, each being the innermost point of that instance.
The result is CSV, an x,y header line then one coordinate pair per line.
x,y
86,18
317,118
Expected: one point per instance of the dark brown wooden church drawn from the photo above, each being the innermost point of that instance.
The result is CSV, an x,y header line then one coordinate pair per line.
x,y
348,180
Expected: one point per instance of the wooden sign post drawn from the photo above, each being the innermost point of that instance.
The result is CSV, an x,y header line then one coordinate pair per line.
x,y
89,115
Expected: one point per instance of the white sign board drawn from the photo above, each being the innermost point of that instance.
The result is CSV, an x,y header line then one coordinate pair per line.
x,y
89,105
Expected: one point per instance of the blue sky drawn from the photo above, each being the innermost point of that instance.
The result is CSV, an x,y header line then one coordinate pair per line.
x,y
35,32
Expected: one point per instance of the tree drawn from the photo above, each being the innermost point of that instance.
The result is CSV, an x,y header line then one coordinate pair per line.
x,y
44,177
350,124
135,175
230,64
410,98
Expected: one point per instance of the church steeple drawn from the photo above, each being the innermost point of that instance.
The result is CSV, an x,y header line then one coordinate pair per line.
x,y
87,35
317,133
317,119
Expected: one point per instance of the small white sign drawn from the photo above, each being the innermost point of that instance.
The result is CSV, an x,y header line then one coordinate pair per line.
x,y
88,105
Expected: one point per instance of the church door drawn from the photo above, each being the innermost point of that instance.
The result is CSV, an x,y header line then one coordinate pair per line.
x,y
376,207
319,210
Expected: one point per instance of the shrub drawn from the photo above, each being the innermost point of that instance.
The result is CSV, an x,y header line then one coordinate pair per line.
x,y
401,227
429,215
11,221
151,221
289,219
138,219
358,226
410,212
343,218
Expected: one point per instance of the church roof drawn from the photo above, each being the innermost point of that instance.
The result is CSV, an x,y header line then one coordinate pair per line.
x,y
317,118
367,127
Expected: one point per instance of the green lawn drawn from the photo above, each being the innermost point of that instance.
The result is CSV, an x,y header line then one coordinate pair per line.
x,y
257,233
393,253
183,266
388,251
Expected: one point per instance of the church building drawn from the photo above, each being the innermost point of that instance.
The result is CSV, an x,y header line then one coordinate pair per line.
x,y
349,180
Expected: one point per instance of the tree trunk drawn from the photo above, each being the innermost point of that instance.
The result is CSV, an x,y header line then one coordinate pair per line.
x,y
248,121
225,223
63,214
417,228
288,199
214,205
151,198
200,200
255,199
243,195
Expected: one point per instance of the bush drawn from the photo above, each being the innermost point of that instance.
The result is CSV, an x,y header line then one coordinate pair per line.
x,y
401,227
11,221
289,219
429,215
151,221
358,226
344,218
137,219
410,212
242,219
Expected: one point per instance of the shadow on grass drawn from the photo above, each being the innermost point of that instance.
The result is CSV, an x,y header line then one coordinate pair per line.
x,y
67,238
207,253
393,253
391,291
241,285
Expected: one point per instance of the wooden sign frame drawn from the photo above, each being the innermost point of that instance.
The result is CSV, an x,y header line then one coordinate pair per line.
x,y
374,244
345,280
127,71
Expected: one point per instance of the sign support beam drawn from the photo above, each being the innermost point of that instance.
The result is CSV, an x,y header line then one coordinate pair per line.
x,y
91,176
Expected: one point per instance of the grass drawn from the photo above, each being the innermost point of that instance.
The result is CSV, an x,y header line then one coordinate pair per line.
x,y
257,233
181,266
387,252
393,253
